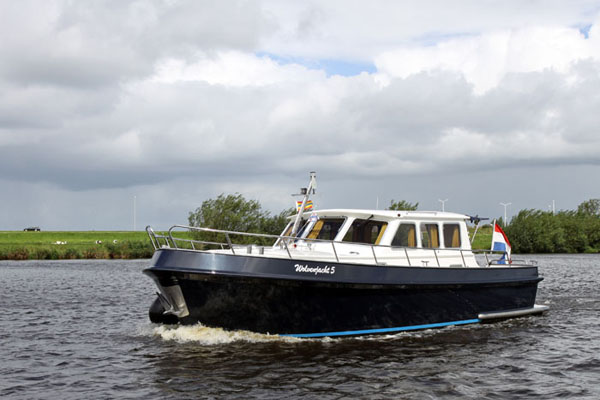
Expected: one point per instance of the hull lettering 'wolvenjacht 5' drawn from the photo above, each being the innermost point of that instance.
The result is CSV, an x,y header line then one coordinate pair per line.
x,y
337,272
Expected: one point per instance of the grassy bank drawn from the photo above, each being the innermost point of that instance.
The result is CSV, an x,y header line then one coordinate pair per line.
x,y
18,245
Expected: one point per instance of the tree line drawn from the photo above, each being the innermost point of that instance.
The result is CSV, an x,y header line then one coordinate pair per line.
x,y
567,231
530,231
233,212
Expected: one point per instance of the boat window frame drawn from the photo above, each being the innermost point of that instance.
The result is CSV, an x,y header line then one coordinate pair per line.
x,y
416,233
424,223
304,223
458,230
305,228
313,223
382,229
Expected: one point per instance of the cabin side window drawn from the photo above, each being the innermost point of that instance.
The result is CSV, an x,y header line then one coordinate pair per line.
x,y
326,228
430,238
365,231
406,236
451,235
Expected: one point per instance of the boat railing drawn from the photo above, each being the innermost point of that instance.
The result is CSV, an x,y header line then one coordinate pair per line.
x,y
493,257
290,243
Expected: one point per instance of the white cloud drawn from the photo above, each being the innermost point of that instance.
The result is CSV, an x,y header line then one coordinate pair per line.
x,y
233,68
357,31
486,59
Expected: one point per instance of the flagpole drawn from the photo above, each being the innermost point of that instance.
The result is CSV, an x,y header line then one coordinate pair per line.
x,y
493,230
311,187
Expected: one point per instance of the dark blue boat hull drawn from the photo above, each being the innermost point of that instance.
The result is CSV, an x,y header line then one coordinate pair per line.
x,y
282,296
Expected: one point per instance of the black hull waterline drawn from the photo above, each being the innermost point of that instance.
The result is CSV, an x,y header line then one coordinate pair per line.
x,y
312,299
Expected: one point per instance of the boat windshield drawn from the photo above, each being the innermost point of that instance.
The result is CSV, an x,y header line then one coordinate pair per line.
x,y
301,231
365,231
326,228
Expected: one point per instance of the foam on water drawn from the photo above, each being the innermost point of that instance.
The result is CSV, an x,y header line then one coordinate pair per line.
x,y
211,336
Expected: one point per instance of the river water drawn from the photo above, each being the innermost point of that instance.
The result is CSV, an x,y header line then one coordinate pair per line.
x,y
79,329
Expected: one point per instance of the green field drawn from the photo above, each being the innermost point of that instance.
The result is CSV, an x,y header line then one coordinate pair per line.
x,y
18,245
483,240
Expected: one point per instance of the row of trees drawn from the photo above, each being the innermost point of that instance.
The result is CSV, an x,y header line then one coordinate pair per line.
x,y
569,231
233,212
530,231
537,231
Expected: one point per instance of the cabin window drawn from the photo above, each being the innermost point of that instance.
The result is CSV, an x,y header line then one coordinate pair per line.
x,y
326,228
288,229
451,235
406,236
430,236
304,224
365,231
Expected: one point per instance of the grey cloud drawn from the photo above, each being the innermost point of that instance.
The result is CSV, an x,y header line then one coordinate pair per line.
x,y
157,131
95,44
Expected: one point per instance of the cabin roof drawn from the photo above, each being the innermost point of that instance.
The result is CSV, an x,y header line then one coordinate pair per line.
x,y
388,214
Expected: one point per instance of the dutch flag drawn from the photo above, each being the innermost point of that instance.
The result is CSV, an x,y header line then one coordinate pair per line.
x,y
500,243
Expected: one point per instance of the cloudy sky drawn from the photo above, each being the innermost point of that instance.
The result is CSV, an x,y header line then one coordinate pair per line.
x,y
174,102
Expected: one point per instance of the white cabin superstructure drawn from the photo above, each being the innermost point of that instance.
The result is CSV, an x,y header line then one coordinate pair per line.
x,y
369,237
394,238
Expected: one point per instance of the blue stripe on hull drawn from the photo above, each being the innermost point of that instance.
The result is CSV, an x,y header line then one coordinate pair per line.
x,y
383,330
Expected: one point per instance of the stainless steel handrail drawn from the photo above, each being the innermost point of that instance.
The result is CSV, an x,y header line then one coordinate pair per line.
x,y
514,262
284,242
374,256
151,235
155,238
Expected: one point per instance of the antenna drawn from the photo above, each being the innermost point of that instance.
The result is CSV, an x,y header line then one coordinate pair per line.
x,y
443,203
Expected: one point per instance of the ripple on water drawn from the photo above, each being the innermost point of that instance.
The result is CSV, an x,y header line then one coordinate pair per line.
x,y
79,329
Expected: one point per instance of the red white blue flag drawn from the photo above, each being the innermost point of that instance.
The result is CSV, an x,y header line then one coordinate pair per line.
x,y
500,243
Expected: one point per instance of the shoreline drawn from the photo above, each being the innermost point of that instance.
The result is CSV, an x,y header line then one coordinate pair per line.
x,y
98,245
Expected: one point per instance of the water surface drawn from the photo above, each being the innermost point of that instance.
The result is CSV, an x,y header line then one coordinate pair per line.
x,y
79,329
